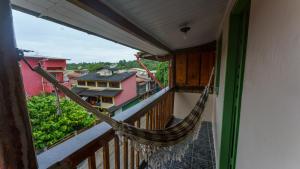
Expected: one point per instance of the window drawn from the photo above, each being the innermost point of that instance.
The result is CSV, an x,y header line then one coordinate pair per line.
x,y
91,83
107,100
114,84
102,84
81,83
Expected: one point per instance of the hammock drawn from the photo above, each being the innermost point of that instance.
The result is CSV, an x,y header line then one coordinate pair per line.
x,y
146,141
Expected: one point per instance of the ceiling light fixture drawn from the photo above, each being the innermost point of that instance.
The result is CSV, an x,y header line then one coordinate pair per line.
x,y
185,29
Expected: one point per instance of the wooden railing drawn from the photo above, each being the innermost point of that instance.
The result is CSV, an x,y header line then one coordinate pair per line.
x,y
99,147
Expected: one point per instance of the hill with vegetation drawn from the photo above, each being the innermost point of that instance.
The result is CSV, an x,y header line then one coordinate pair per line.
x,y
122,64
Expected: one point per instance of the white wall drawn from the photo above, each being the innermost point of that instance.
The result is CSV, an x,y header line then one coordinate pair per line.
x,y
270,112
220,97
184,102
218,116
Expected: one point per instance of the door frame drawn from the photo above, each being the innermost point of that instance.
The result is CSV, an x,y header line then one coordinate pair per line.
x,y
238,29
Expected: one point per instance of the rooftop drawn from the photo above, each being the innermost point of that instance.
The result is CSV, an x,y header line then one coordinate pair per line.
x,y
45,57
113,78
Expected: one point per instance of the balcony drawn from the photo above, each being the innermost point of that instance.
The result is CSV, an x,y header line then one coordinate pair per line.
x,y
99,147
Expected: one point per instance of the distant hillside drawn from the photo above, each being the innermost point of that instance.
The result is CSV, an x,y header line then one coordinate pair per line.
x,y
122,64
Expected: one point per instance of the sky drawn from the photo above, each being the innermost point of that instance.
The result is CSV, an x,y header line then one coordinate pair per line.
x,y
50,39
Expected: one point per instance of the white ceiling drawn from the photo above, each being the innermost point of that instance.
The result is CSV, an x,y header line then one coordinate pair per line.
x,y
159,18
163,18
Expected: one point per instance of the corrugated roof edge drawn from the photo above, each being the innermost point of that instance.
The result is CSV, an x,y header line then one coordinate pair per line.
x,y
46,57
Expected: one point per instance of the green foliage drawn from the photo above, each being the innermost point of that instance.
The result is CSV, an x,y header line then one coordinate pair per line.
x,y
162,73
47,127
122,64
90,66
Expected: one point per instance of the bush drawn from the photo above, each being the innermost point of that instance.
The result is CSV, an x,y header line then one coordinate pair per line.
x,y
48,127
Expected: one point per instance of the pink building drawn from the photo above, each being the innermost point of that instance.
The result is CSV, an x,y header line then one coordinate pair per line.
x,y
34,84
107,88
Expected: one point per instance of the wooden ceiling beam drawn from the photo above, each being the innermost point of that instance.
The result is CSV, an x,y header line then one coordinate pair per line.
x,y
211,46
101,10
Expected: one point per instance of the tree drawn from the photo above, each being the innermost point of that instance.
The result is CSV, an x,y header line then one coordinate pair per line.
x,y
122,64
162,73
48,127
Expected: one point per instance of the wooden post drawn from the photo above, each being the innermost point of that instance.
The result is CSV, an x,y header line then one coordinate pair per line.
x,y
16,146
137,164
92,161
106,159
117,152
125,153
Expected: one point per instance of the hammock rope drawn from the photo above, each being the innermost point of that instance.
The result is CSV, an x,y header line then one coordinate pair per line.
x,y
153,138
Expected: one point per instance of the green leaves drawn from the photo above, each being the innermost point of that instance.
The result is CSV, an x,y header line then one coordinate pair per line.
x,y
162,73
122,64
47,127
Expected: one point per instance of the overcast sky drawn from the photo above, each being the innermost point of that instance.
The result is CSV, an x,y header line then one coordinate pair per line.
x,y
51,39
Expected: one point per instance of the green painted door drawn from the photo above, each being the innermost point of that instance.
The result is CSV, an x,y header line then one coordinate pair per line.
x,y
237,43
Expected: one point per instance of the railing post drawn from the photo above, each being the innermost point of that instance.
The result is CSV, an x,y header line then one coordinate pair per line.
x,y
92,161
117,152
16,146
138,124
125,153
106,159
131,155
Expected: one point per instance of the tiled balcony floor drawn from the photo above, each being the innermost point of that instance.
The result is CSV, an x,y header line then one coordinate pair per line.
x,y
200,154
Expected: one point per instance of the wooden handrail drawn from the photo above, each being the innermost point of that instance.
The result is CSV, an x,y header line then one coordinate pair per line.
x,y
83,146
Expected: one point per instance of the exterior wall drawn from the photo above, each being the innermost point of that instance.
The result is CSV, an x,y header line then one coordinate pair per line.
x,y
60,76
32,81
218,116
269,116
34,84
184,102
97,87
129,91
57,63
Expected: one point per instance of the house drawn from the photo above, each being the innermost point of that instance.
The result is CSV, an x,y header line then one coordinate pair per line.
x,y
33,83
107,88
143,80
251,118
71,75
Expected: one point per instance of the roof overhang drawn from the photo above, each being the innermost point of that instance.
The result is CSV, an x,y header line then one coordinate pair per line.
x,y
149,26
